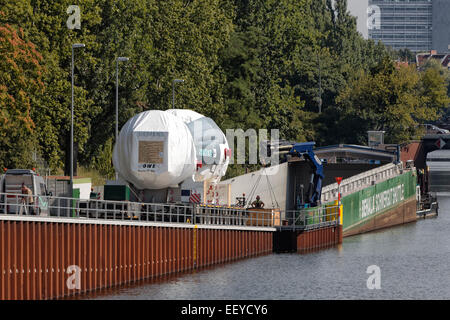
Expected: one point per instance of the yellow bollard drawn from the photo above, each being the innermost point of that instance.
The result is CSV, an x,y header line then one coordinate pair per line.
x,y
195,246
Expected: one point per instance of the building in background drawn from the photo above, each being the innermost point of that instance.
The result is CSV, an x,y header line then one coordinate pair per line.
x,y
417,25
441,26
404,24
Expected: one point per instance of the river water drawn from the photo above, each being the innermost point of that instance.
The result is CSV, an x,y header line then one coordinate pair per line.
x,y
413,259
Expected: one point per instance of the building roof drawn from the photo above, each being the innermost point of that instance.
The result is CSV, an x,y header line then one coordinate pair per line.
x,y
422,58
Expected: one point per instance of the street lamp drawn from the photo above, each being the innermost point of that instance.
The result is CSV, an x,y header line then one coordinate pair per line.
x,y
74,46
123,59
173,91
319,100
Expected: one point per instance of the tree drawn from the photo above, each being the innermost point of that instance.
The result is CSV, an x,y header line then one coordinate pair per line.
x,y
391,98
434,91
21,90
247,64
406,55
44,24
164,40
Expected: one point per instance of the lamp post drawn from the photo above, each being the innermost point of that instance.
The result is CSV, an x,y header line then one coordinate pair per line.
x,y
74,46
173,90
123,59
319,99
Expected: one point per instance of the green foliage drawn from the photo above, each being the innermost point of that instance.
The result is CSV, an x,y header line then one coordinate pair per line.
x,y
444,73
404,55
21,89
164,40
434,91
392,99
97,178
246,64
103,163
44,24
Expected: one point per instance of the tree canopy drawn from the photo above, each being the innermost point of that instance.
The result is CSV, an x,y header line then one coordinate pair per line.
x,y
21,89
246,64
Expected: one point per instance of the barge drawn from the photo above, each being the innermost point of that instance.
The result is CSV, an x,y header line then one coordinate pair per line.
x,y
385,204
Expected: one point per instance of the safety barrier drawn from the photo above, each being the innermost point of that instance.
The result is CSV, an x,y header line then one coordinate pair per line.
x,y
19,204
62,207
361,181
313,218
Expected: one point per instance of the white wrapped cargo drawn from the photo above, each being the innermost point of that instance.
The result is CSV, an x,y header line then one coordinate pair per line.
x,y
185,115
160,149
211,145
211,149
154,151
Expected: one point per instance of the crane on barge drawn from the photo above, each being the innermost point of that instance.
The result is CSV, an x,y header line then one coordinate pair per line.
x,y
305,150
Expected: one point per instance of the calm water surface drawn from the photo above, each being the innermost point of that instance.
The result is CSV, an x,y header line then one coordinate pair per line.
x,y
414,260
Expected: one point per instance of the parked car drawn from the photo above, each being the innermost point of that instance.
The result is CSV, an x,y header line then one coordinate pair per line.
x,y
11,192
432,129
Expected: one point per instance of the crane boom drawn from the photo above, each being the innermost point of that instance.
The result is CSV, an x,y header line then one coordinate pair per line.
x,y
305,149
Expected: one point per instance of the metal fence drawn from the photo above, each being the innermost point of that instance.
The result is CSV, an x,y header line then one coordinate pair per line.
x,y
313,218
19,204
64,207
361,181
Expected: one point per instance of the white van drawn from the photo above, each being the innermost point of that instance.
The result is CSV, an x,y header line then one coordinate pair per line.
x,y
11,184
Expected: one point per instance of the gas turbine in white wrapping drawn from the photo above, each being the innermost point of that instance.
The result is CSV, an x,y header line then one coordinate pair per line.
x,y
159,149
210,144
185,115
211,149
155,150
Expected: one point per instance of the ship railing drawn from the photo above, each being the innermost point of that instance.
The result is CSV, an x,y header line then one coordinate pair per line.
x,y
312,218
255,217
66,207
361,181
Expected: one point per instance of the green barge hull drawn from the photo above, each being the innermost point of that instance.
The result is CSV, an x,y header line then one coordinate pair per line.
x,y
388,203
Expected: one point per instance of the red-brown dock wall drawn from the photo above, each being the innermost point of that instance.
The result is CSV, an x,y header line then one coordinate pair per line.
x,y
316,239
35,253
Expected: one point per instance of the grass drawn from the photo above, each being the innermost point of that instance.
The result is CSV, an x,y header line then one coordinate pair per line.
x,y
97,178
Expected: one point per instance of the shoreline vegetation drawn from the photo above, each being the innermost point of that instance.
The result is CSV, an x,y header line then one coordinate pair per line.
x,y
246,64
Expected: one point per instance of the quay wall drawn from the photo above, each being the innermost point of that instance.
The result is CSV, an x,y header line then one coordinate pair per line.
x,y
321,238
50,258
